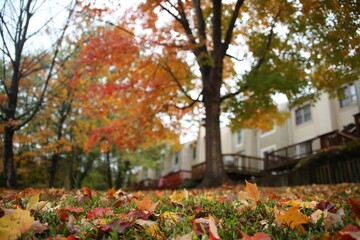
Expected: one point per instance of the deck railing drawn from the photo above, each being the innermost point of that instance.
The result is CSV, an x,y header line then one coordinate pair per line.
x,y
291,154
234,163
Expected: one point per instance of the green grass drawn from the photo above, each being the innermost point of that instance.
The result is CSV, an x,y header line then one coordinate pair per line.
x,y
174,218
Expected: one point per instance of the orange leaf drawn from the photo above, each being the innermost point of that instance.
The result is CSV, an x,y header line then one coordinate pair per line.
x,y
74,209
252,193
87,192
146,204
257,236
293,218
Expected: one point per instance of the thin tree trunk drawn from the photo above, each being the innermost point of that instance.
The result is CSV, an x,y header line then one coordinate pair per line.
x,y
53,169
119,176
108,170
9,169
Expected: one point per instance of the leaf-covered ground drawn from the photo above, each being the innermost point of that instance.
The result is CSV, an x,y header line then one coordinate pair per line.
x,y
231,212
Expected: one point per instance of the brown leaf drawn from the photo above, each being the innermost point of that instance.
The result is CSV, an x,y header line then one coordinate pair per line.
x,y
355,206
38,227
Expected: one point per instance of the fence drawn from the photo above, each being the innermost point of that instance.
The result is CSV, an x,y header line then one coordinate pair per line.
x,y
329,173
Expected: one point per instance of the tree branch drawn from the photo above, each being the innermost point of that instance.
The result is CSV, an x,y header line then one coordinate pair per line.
x,y
168,69
52,65
200,21
193,102
268,41
230,30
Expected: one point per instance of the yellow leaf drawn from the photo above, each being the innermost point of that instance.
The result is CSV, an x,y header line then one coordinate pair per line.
x,y
293,218
15,224
34,204
171,217
178,198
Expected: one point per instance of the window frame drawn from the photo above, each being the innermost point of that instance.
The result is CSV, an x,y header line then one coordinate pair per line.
x,y
303,114
347,95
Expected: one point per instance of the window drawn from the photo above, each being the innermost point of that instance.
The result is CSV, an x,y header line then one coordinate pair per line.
x,y
347,95
176,158
304,149
239,137
303,114
194,153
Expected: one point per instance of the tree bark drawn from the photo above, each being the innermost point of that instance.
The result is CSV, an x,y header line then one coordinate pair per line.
x,y
9,169
215,174
53,169
108,170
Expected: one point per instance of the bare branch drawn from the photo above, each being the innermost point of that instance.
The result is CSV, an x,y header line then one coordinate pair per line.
x,y
233,57
193,102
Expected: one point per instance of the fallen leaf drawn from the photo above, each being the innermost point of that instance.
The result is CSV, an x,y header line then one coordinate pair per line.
x,y
208,225
87,192
318,214
348,233
118,225
38,227
146,205
171,217
99,212
293,218
188,236
71,226
213,231
178,198
355,205
326,205
333,220
34,204
257,236
15,224
251,192
73,209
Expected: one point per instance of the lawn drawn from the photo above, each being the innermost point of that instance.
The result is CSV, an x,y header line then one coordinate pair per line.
x,y
242,211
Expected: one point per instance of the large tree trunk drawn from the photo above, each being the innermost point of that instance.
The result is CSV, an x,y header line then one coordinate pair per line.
x,y
215,174
9,169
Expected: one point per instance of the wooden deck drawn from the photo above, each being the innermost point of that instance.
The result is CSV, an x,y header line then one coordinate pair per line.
x,y
235,164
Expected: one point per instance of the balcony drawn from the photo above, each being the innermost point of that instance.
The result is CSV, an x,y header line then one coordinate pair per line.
x,y
290,155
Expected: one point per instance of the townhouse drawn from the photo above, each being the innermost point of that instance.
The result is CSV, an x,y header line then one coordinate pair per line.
x,y
310,127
